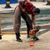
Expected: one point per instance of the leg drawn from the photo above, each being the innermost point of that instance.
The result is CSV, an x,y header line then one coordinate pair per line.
x,y
17,24
28,29
0,34
28,22
0,30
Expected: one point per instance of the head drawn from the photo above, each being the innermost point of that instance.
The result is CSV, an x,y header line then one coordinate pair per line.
x,y
37,11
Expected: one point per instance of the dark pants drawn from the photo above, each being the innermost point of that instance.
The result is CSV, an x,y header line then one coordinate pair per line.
x,y
28,22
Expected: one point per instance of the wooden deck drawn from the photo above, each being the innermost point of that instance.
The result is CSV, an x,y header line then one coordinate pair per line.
x,y
9,42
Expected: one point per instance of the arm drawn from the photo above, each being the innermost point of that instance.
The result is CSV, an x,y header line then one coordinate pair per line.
x,y
33,21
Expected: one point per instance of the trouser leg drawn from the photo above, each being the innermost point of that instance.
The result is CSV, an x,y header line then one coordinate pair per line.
x,y
18,27
28,22
28,29
0,30
17,23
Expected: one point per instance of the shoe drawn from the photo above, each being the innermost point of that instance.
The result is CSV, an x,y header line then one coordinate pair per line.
x,y
19,40
35,38
0,37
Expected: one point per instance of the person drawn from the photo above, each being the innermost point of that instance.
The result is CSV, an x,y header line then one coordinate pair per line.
x,y
18,13
32,10
26,18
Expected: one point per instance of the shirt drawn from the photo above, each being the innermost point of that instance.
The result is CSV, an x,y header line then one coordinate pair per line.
x,y
30,8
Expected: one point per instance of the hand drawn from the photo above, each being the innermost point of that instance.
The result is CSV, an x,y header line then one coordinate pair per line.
x,y
23,10
32,32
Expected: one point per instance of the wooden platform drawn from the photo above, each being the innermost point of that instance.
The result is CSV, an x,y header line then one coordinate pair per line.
x,y
9,43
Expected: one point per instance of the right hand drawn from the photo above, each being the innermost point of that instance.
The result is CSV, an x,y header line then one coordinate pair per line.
x,y
23,10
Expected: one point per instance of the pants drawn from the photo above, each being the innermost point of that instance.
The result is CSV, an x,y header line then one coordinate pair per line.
x,y
18,14
28,22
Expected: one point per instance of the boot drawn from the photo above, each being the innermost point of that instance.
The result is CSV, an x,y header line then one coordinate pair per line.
x,y
35,38
19,40
18,37
0,36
